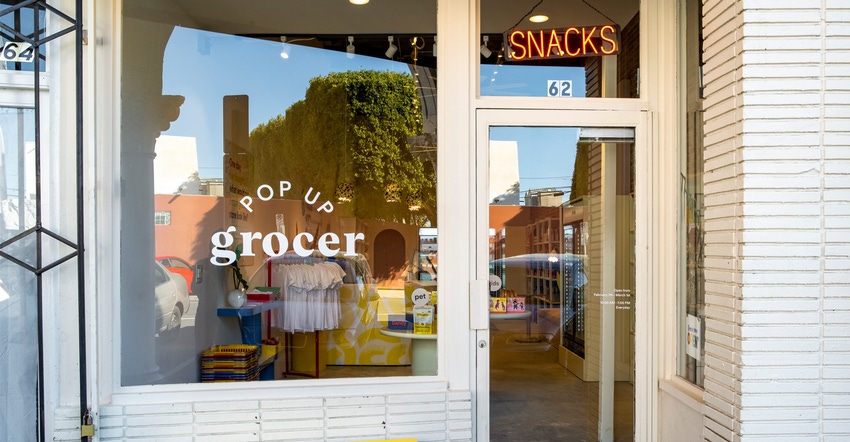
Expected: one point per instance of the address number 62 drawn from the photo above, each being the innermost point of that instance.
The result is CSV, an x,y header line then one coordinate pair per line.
x,y
559,88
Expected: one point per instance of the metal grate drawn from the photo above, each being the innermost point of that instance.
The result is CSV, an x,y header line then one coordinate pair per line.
x,y
19,35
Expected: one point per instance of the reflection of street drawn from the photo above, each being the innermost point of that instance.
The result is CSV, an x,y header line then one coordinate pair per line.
x,y
175,350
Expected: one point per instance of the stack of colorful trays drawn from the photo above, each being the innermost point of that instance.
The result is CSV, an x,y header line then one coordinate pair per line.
x,y
230,363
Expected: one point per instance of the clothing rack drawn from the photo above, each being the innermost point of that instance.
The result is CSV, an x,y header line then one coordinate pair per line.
x,y
288,335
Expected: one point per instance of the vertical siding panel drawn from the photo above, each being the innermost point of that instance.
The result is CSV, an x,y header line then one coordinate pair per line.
x,y
722,20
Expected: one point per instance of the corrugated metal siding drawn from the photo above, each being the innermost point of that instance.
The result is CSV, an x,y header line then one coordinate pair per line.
x,y
777,127
425,417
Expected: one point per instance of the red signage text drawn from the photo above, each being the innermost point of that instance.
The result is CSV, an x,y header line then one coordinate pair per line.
x,y
572,42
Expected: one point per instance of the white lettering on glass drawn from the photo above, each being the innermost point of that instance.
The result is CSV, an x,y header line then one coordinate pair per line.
x,y
222,240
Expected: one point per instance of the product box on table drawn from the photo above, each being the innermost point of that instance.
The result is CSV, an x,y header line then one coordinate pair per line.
x,y
515,305
423,319
497,304
400,322
263,294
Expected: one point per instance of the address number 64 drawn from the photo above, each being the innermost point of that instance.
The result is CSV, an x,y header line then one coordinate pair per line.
x,y
18,51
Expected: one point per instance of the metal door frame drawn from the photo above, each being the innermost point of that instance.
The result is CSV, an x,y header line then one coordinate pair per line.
x,y
39,40
644,351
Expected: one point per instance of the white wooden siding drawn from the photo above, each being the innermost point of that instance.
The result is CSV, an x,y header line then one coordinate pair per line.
x,y
777,219
425,417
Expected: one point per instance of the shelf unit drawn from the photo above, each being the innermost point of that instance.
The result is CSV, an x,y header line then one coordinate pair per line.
x,y
251,321
543,238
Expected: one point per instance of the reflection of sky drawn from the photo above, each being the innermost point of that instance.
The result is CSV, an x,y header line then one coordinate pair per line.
x,y
546,155
206,66
16,126
528,81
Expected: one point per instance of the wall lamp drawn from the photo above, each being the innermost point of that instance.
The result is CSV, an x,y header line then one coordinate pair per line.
x,y
485,51
392,49
350,48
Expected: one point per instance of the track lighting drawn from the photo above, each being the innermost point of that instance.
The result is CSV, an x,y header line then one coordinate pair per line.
x,y
392,49
434,51
284,53
350,48
485,51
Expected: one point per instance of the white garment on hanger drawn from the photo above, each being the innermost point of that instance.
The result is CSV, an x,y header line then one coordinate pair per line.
x,y
311,296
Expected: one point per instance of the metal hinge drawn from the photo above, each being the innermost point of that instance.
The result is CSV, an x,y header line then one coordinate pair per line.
x,y
87,428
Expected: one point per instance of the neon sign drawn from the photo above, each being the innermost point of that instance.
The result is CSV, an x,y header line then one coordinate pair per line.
x,y
572,42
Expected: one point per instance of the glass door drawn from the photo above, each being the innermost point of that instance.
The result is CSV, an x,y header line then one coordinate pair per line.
x,y
560,221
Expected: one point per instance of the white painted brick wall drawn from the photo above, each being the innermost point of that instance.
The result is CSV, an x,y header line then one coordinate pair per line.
x,y
425,417
777,179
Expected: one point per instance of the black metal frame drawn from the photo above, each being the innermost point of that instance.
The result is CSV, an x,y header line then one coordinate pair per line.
x,y
39,39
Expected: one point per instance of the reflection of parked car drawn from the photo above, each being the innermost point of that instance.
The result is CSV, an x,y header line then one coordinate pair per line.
x,y
179,266
172,299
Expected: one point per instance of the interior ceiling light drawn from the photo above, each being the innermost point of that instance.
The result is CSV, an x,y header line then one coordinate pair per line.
x,y
485,51
350,48
358,2
434,51
284,53
538,18
392,49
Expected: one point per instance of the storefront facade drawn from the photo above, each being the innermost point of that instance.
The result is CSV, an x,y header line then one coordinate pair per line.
x,y
607,190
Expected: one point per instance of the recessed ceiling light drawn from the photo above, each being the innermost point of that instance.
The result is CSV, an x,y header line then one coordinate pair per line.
x,y
358,2
540,18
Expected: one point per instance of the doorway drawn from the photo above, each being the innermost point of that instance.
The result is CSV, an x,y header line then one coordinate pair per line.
x,y
560,221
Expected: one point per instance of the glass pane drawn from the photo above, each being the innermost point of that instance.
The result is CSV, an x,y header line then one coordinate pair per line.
x,y
560,49
562,224
18,293
280,174
691,351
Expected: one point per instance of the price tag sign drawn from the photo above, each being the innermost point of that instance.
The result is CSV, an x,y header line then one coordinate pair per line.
x,y
421,297
559,88
18,51
495,283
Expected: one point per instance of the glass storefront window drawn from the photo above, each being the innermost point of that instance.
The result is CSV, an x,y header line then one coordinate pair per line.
x,y
560,49
691,317
295,159
19,302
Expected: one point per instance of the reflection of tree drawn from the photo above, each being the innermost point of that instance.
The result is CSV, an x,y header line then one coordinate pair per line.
x,y
351,127
579,185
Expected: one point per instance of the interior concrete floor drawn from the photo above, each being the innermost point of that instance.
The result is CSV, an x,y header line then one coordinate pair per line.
x,y
534,398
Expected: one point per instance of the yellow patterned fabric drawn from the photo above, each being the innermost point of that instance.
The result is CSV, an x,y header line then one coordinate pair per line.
x,y
358,340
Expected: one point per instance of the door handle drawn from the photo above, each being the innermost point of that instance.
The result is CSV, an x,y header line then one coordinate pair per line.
x,y
479,304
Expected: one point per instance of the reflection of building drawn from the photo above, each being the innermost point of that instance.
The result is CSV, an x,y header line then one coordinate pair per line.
x,y
212,186
176,165
504,173
544,197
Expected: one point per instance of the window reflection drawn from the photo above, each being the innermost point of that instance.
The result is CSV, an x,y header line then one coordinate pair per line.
x,y
562,309
292,194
